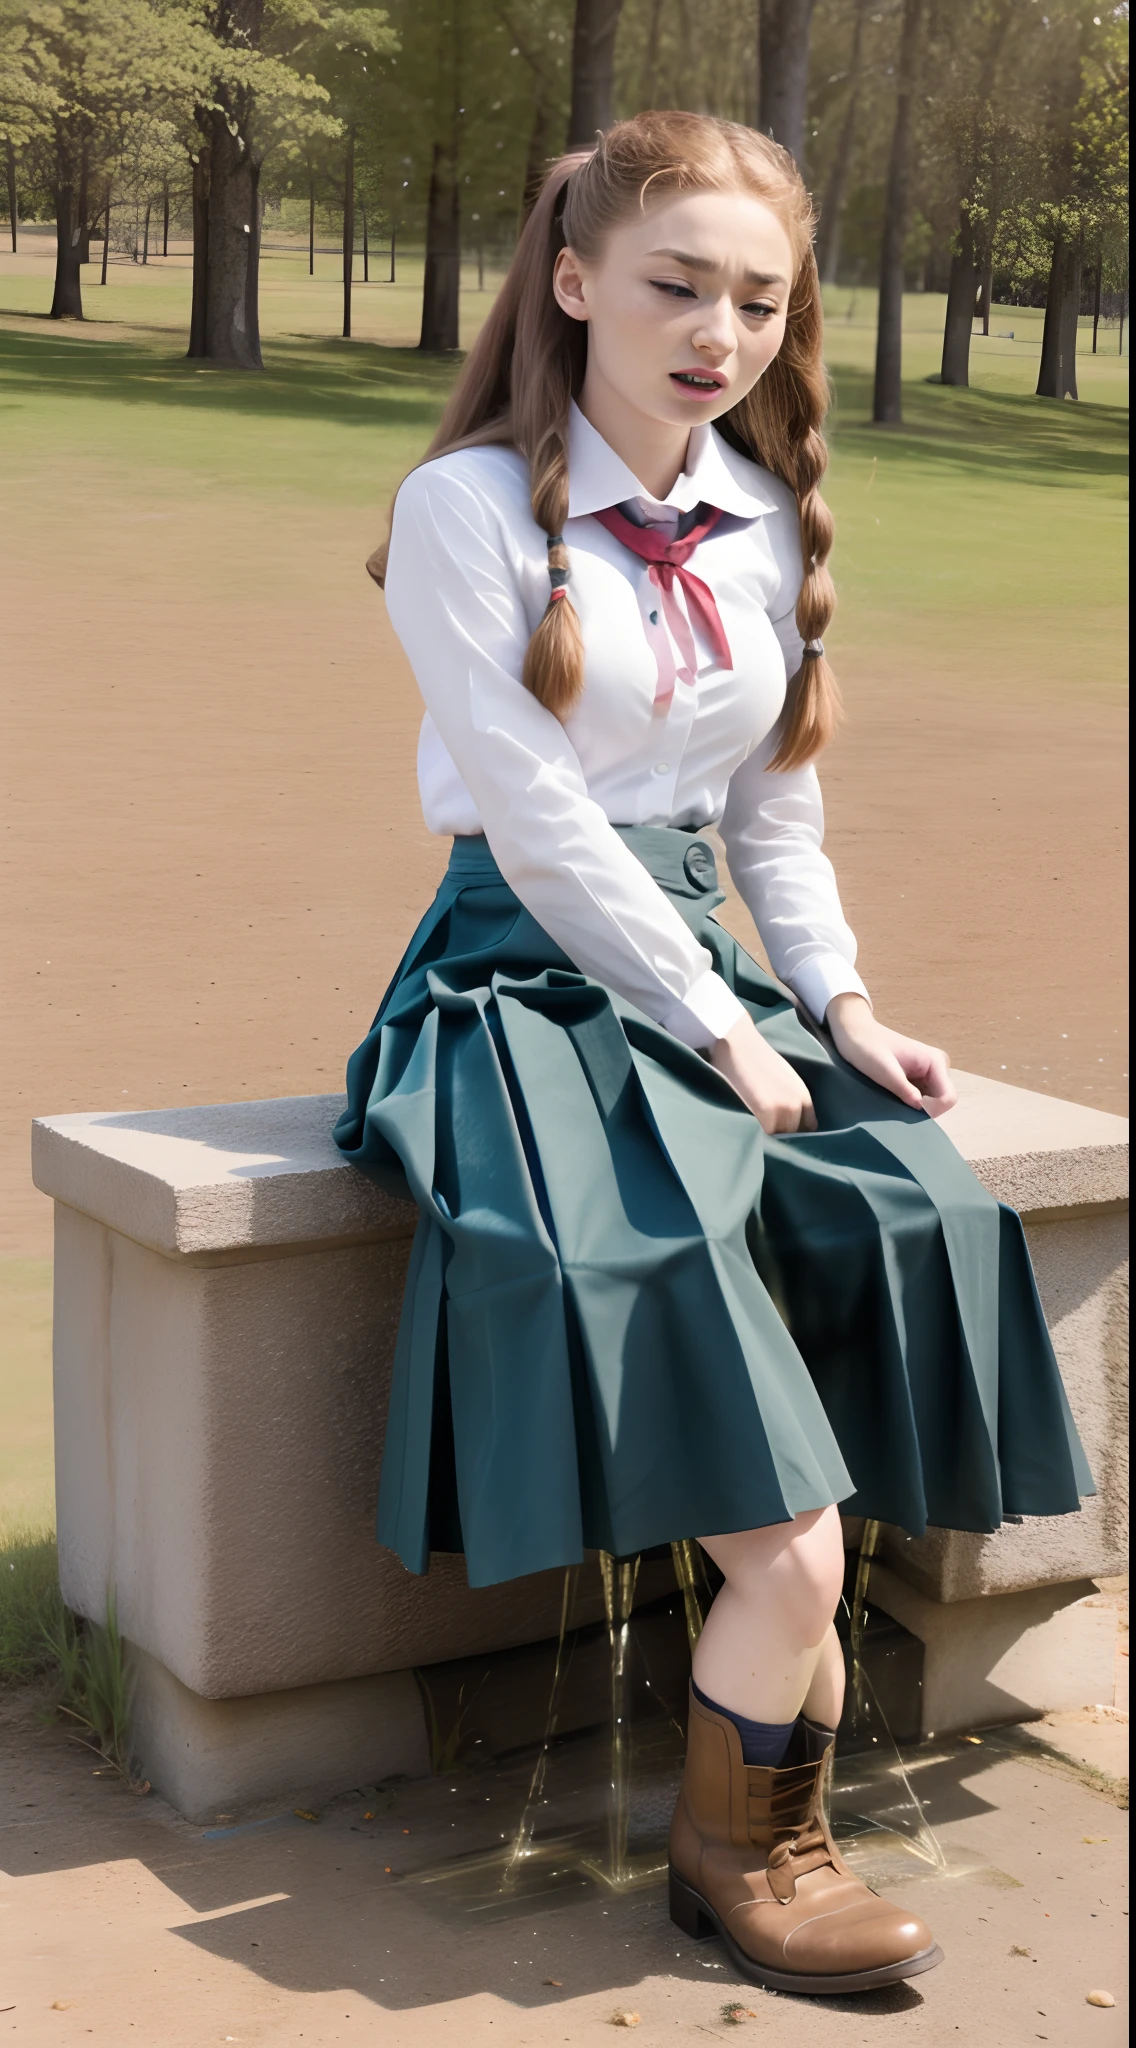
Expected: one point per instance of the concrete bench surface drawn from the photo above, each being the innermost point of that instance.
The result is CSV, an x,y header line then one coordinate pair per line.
x,y
227,1292
246,1174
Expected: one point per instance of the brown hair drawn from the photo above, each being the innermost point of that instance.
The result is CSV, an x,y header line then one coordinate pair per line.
x,y
528,364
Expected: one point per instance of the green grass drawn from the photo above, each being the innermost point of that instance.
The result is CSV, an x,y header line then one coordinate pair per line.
x,y
990,520
31,1609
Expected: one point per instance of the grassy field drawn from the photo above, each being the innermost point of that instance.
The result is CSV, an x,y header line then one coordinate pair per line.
x,y
955,529
174,532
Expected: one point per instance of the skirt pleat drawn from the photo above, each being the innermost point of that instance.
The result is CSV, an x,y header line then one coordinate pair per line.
x,y
630,1316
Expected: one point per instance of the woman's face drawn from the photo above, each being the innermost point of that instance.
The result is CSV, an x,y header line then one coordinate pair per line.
x,y
685,305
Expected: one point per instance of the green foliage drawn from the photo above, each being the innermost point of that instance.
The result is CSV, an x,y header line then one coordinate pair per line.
x,y
31,1607
94,1686
41,1639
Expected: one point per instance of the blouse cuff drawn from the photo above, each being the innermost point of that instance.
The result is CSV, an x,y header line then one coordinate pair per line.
x,y
708,1012
816,981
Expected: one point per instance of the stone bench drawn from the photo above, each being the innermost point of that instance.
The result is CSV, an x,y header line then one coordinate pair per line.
x,y
227,1292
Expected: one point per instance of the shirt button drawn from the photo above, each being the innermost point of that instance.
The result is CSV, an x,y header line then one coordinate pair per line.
x,y
661,768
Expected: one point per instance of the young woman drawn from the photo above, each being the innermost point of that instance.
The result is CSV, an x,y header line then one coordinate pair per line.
x,y
693,1258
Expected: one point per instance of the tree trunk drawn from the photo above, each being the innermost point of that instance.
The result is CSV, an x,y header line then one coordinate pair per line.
x,y
67,300
12,209
311,224
348,230
366,249
961,293
146,234
1057,377
832,206
887,406
650,74
106,237
593,63
783,71
165,220
442,284
1097,301
232,315
537,155
200,298
394,238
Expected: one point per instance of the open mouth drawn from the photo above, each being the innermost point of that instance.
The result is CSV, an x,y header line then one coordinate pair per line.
x,y
698,380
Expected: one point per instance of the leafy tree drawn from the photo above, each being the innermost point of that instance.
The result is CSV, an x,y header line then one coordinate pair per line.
x,y
1090,200
74,82
887,402
255,95
346,61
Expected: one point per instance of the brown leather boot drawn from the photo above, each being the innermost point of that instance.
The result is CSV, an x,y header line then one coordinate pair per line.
x,y
752,1859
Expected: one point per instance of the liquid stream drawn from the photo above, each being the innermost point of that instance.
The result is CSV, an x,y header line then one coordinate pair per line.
x,y
597,1807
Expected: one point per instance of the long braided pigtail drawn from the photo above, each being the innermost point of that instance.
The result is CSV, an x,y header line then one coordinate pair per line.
x,y
779,423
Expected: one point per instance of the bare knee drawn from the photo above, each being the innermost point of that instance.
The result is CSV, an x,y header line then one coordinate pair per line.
x,y
794,1570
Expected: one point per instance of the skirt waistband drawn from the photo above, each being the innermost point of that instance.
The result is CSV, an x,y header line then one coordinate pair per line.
x,y
680,861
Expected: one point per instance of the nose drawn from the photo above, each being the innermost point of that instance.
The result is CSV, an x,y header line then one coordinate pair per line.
x,y
714,332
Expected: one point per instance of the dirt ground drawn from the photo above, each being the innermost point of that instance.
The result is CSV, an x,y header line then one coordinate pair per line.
x,y
214,854
123,1924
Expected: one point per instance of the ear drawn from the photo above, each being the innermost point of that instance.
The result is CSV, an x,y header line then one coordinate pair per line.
x,y
568,285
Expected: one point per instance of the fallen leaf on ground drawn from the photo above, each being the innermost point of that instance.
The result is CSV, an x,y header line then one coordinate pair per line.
x,y
368,1816
301,1813
738,2014
1018,1950
65,2004
558,1981
1094,1840
1099,1998
976,1739
625,2019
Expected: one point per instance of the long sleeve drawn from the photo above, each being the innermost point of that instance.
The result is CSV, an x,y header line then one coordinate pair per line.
x,y
455,601
773,831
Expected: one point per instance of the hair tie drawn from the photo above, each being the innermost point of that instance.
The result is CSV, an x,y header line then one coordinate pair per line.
x,y
557,578
814,650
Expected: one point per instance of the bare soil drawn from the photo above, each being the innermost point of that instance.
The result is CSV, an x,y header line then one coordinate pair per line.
x,y
214,854
124,1924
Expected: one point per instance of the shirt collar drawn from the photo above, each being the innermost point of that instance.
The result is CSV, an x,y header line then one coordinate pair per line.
x,y
714,475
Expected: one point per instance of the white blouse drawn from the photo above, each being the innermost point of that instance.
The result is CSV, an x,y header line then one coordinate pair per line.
x,y
467,583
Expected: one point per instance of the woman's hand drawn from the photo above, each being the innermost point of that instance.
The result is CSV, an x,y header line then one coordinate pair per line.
x,y
919,1074
766,1083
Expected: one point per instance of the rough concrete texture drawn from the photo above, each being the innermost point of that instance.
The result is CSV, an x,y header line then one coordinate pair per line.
x,y
1082,1274
225,1177
304,1745
124,1924
1007,1656
218,1438
244,1174
1037,1152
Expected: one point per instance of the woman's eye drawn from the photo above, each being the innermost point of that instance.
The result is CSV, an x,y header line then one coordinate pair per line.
x,y
760,312
674,291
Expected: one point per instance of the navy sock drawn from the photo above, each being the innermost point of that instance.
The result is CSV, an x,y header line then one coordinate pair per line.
x,y
763,1742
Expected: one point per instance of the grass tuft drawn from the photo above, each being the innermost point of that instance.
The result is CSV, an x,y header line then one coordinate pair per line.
x,y
31,1605
84,1662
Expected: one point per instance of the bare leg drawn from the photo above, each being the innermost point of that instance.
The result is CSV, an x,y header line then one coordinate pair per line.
x,y
768,1647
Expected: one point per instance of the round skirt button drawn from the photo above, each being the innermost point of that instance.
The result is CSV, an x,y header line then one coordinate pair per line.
x,y
700,866
661,768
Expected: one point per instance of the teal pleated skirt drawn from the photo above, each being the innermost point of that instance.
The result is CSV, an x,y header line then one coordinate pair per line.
x,y
630,1315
